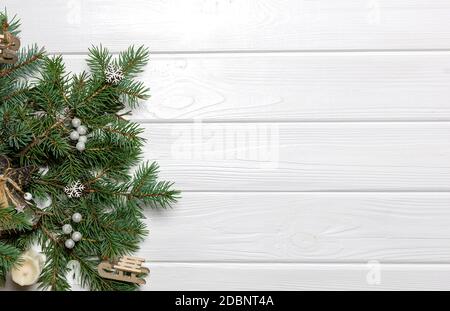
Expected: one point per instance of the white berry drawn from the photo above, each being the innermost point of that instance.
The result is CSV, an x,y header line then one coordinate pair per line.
x,y
67,229
80,146
74,135
76,122
76,236
28,196
77,217
82,139
82,130
69,243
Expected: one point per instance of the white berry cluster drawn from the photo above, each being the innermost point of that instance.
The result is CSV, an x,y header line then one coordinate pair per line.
x,y
75,235
79,134
113,74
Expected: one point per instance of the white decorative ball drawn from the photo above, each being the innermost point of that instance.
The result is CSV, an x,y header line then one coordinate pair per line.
x,y
76,236
76,122
67,229
74,135
77,217
69,243
82,130
28,196
82,139
80,146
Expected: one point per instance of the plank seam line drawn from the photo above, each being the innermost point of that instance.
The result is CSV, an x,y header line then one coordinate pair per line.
x,y
243,52
318,263
286,121
322,191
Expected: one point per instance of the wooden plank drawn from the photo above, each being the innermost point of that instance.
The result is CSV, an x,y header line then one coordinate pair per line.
x,y
237,276
301,227
295,86
258,277
405,156
202,25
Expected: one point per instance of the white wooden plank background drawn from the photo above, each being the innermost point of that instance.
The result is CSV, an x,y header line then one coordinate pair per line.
x,y
363,86
220,276
351,156
309,137
302,227
224,25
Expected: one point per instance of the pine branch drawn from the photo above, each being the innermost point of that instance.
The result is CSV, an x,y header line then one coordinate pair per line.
x,y
29,61
9,256
39,99
11,220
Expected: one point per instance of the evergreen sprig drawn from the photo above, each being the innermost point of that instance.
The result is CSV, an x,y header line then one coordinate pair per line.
x,y
9,256
38,100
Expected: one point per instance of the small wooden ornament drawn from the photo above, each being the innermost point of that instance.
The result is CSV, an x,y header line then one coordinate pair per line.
x,y
127,269
9,45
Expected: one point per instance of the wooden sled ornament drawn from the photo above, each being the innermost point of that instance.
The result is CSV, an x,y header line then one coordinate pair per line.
x,y
9,45
128,269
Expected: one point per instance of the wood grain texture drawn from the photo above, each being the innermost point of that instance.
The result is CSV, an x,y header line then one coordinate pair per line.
x,y
224,25
301,227
222,276
302,156
286,186
226,276
294,86
259,277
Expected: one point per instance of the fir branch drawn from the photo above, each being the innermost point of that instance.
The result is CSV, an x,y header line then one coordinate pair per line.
x,y
38,98
9,256
39,139
53,276
34,58
11,220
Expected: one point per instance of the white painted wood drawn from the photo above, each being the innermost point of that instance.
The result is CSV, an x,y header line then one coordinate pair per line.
x,y
226,276
405,156
301,227
357,190
295,86
204,25
259,277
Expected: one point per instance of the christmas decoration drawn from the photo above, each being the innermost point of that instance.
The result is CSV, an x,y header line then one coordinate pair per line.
x,y
76,236
9,45
74,135
74,190
113,74
82,130
27,272
80,146
69,243
76,217
76,122
84,207
12,180
127,269
67,229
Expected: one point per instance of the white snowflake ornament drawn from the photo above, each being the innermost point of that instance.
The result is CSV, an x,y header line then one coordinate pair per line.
x,y
74,190
113,74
